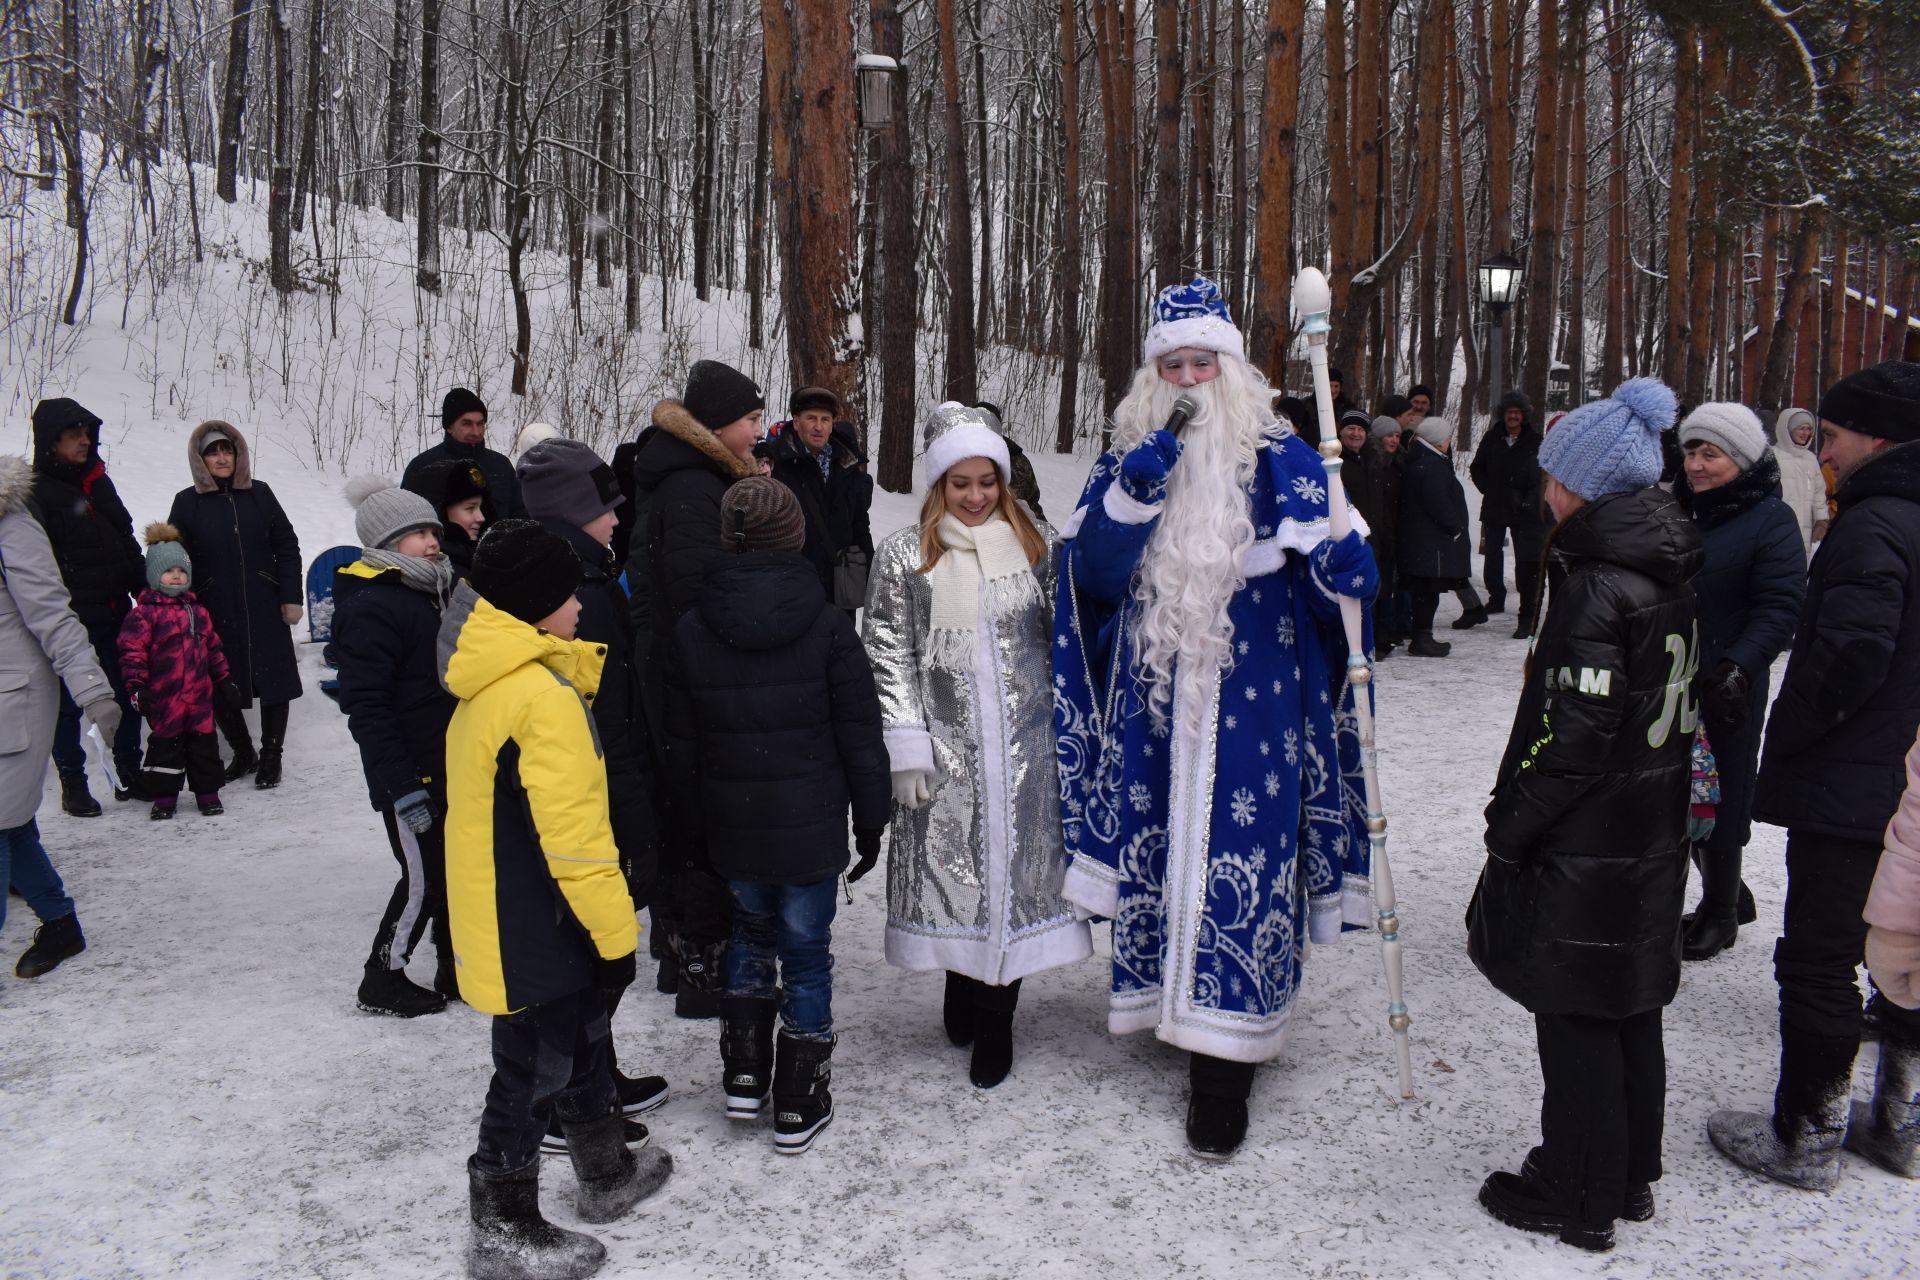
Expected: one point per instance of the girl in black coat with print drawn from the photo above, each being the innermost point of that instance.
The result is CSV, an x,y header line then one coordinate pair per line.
x,y
1577,913
247,571
1749,594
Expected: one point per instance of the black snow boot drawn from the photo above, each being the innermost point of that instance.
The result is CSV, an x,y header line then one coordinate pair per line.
x,y
1887,1130
613,1177
802,1104
1531,1205
1637,1205
993,1033
666,978
956,1011
1424,645
746,1053
511,1241
703,979
54,942
1217,1109
233,727
267,775
1716,924
639,1094
390,991
75,800
1799,1144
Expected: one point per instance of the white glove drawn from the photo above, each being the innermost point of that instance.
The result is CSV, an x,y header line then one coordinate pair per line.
x,y
912,787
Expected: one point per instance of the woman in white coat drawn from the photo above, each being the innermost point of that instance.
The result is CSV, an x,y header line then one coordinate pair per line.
x,y
39,636
1802,485
959,626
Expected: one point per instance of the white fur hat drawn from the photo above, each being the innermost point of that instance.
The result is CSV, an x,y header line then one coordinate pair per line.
x,y
956,432
532,434
1733,427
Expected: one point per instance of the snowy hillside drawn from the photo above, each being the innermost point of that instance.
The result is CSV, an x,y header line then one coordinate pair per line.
x,y
197,1096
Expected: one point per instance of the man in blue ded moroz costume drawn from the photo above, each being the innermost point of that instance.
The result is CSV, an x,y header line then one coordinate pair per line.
x,y
1209,764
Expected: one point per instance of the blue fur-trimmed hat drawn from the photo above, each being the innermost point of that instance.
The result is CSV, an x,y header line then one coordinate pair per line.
x,y
1193,315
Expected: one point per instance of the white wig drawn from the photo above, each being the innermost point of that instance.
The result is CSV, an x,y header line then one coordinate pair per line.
x,y
1192,565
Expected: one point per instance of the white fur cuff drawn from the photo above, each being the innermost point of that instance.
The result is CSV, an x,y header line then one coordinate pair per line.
x,y
909,746
1202,332
1123,508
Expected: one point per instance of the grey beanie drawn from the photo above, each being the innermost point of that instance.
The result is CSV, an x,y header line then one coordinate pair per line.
x,y
213,436
1733,428
1383,427
1434,429
566,480
384,514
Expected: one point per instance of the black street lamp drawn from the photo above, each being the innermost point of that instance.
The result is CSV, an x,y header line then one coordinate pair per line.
x,y
1499,286
882,84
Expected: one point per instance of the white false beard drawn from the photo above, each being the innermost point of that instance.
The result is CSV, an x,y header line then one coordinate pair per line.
x,y
1192,565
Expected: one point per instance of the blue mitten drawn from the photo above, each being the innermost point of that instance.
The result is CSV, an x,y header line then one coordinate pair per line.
x,y
1143,472
1346,567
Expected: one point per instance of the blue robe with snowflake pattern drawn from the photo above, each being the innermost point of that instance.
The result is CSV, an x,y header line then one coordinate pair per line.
x,y
1217,855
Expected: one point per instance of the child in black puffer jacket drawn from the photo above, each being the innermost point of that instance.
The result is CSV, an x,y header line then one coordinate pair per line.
x,y
1577,913
774,731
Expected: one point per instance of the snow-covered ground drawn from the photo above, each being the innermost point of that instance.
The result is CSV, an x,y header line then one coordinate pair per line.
x,y
197,1095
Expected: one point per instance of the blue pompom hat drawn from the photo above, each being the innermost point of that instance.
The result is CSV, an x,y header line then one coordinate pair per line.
x,y
1611,445
1193,315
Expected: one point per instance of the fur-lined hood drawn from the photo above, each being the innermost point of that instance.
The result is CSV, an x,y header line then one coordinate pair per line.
x,y
16,485
203,481
674,424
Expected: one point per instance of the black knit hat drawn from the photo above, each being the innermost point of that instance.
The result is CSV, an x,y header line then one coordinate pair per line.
x,y
812,398
718,394
521,569
1882,401
761,514
460,402
448,482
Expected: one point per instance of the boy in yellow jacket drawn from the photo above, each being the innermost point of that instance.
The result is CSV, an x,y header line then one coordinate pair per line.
x,y
542,922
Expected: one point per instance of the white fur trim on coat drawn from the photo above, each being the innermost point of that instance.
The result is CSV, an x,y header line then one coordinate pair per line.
x,y
909,746
1124,508
1204,332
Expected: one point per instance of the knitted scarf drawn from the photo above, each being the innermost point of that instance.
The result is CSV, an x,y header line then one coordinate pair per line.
x,y
991,552
433,577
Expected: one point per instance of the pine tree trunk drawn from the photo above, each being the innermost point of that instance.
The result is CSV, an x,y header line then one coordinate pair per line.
x,y
1706,200
1577,146
898,285
1120,281
983,335
1686,102
426,272
1463,310
1499,107
1236,285
310,114
1168,261
1352,314
1766,295
757,219
1066,420
280,185
233,102
1775,386
1614,348
962,382
1833,349
1340,161
1543,257
1273,256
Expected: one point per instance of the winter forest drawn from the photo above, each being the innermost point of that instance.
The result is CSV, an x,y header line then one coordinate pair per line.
x,y
1681,182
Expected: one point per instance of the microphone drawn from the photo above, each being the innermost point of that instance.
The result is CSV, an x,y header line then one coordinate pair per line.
x,y
1183,408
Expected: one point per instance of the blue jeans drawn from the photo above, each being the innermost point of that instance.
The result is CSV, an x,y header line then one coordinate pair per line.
x,y
24,865
795,923
69,756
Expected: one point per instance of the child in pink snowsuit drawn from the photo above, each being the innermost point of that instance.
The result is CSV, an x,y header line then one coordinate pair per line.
x,y
174,668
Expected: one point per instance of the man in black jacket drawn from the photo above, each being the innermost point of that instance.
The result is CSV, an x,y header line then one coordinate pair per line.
x,y
1506,470
463,416
1831,773
574,496
819,459
92,538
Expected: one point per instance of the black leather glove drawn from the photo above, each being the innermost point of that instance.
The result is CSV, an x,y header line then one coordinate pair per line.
x,y
866,843
616,975
1725,696
226,695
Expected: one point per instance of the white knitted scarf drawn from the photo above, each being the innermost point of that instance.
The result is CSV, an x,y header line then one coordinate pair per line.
x,y
992,552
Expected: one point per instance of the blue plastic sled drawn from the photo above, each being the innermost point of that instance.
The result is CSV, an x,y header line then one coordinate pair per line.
x,y
320,606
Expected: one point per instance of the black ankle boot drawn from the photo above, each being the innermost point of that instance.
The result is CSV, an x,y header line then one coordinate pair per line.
x,y
75,800
1217,1110
1424,645
54,943
992,1033
1708,935
267,774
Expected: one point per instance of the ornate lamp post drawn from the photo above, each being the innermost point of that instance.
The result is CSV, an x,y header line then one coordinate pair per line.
x,y
1499,286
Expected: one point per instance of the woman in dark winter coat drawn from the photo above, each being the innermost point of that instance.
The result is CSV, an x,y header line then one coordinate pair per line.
x,y
1374,485
460,491
1749,595
698,445
92,539
247,571
1577,913
1431,554
771,777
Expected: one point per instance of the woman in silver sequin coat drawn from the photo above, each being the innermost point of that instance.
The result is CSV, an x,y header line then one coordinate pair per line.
x,y
959,627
